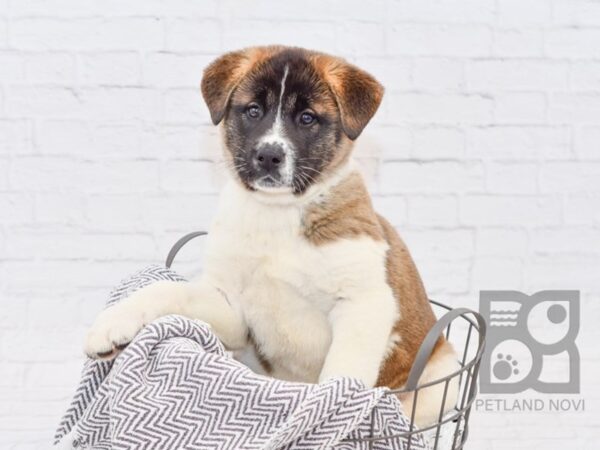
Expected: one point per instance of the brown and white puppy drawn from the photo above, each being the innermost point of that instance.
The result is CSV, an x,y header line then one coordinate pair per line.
x,y
299,268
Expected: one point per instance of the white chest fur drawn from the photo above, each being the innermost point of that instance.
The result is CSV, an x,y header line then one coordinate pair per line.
x,y
286,287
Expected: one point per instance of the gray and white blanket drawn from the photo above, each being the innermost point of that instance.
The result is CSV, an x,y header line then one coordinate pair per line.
x,y
175,387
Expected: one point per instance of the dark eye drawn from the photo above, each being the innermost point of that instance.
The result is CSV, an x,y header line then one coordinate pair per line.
x,y
307,118
253,111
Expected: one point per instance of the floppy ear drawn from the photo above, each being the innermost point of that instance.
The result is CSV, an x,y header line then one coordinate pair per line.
x,y
220,79
358,94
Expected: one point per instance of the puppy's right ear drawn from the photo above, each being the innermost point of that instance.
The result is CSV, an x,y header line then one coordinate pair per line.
x,y
220,79
224,74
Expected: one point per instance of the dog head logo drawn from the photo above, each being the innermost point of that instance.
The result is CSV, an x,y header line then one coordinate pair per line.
x,y
531,342
289,115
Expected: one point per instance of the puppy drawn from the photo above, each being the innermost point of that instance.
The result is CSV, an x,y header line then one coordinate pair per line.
x,y
299,268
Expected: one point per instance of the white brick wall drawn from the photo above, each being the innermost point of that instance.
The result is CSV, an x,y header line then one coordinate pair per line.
x,y
485,154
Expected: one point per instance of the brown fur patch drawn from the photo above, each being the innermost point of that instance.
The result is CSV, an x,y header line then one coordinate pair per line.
x,y
345,213
416,315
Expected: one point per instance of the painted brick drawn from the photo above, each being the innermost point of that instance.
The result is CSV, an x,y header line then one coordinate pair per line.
x,y
192,34
186,105
188,213
433,211
244,32
41,33
439,73
484,153
518,43
518,142
16,137
16,207
389,142
64,137
497,273
122,103
12,67
523,12
25,243
442,108
512,178
64,209
585,75
579,107
351,34
403,177
520,107
394,73
429,244
572,43
514,75
58,68
188,176
38,101
566,241
436,40
264,9
510,210
587,143
438,143
175,69
393,208
569,177
114,212
582,209
110,68
64,175
576,12
444,11
501,241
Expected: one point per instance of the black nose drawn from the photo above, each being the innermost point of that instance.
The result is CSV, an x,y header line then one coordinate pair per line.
x,y
269,157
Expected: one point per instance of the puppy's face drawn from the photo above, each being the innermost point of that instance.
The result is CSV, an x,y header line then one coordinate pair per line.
x,y
290,115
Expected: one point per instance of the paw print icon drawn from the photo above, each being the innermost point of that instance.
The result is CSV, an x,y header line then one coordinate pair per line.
x,y
505,367
530,342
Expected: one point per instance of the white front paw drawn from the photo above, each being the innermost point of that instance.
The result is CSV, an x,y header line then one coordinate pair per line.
x,y
114,328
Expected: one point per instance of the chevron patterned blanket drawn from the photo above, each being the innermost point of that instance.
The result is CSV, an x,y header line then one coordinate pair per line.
x,y
175,387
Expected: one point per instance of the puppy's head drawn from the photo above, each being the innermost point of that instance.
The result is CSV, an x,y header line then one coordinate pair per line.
x,y
289,115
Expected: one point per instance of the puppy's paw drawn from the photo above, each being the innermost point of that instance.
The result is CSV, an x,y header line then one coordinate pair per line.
x,y
114,328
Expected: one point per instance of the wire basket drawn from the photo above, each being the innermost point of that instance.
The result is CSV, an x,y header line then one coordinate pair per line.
x,y
458,325
451,429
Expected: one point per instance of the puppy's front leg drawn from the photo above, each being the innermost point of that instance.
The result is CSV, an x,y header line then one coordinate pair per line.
x,y
117,325
361,327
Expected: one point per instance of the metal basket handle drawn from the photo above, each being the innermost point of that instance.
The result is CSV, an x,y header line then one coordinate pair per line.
x,y
431,339
180,243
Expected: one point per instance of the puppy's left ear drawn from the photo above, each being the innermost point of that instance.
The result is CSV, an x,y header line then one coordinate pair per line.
x,y
220,79
358,94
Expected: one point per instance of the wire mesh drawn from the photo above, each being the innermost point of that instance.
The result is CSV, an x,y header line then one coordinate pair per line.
x,y
459,327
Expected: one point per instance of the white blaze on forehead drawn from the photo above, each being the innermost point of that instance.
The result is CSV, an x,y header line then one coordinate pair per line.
x,y
276,135
278,123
